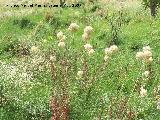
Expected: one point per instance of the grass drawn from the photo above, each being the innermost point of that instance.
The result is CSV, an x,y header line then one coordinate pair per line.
x,y
27,87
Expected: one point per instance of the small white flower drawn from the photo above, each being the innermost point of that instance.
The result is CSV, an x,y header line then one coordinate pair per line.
x,y
108,51
73,27
85,36
106,58
143,92
139,55
91,51
149,60
88,47
52,58
60,35
44,40
34,49
146,73
80,74
147,54
63,38
88,29
158,105
146,48
114,48
61,44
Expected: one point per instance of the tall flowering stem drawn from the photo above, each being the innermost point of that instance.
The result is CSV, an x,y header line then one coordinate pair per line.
x,y
60,102
54,102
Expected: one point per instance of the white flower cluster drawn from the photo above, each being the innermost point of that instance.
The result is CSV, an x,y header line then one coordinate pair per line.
x,y
146,74
87,33
109,51
61,38
80,73
73,27
34,49
143,92
145,55
89,49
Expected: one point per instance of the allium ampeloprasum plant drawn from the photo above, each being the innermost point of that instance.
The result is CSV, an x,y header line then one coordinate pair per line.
x,y
71,64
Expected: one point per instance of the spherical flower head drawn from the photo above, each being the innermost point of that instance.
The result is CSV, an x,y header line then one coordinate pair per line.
x,y
60,35
146,48
88,29
34,49
85,36
88,47
139,55
91,51
143,92
61,44
106,58
108,51
114,48
73,27
146,74
80,74
52,58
